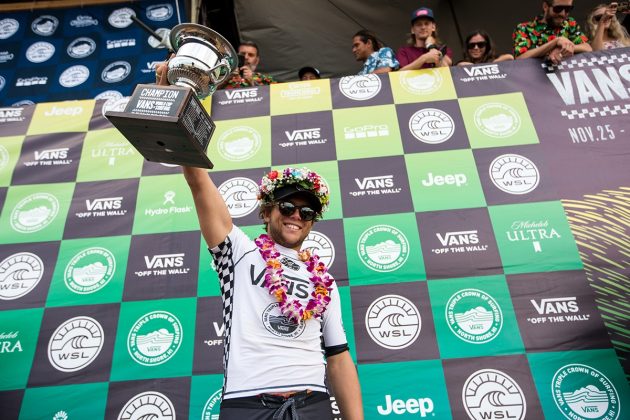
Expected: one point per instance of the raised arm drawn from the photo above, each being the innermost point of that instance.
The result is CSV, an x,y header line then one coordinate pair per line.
x,y
215,221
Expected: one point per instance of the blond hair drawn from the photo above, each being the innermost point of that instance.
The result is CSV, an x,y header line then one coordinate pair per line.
x,y
615,31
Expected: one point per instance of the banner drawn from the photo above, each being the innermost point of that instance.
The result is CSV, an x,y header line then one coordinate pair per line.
x,y
87,52
478,230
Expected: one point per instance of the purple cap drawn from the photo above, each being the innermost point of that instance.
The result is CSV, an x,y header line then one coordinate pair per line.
x,y
423,12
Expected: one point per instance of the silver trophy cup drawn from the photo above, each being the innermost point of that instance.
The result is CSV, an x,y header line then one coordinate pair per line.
x,y
168,123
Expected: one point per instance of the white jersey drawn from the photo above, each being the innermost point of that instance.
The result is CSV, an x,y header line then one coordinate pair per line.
x,y
265,352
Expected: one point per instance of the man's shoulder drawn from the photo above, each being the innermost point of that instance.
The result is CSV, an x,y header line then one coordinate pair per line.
x,y
530,24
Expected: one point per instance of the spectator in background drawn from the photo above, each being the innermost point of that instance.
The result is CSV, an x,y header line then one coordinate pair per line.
x,y
424,49
309,73
553,35
604,29
375,56
479,48
246,76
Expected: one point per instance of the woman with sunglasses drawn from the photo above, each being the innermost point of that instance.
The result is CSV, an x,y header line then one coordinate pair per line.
x,y
479,48
604,29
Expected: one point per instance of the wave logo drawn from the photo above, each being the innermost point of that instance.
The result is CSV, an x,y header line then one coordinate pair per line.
x,y
383,248
497,120
321,245
279,325
19,274
34,212
474,316
421,82
45,25
148,405
239,143
360,88
514,174
154,338
431,126
240,196
90,270
211,408
582,392
75,344
492,394
393,322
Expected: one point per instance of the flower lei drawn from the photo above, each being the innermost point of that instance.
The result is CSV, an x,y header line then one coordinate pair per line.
x,y
303,177
277,284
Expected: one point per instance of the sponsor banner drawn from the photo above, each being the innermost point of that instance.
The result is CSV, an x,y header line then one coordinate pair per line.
x,y
61,117
9,153
49,158
75,339
205,396
304,96
240,103
422,85
562,317
159,398
18,340
241,144
108,155
64,402
492,388
393,323
208,345
361,90
15,120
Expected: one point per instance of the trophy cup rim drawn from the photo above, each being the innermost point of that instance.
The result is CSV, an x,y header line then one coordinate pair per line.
x,y
216,39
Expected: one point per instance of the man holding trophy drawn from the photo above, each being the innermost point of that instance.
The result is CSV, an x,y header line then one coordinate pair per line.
x,y
284,339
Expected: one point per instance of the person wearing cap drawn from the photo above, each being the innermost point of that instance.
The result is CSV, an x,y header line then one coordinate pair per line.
x,y
376,57
309,73
424,49
554,35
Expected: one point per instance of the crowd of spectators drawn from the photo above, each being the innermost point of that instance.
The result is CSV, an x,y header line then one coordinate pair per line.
x,y
553,35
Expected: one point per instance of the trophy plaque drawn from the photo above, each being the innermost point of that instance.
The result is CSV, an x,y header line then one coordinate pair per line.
x,y
168,123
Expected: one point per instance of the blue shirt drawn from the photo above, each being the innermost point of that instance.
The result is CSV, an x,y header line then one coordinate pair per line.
x,y
378,59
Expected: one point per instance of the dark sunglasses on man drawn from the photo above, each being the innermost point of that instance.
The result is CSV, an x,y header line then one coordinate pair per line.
x,y
559,9
287,208
480,45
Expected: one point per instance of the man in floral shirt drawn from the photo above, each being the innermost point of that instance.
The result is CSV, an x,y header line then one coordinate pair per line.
x,y
376,58
553,35
246,76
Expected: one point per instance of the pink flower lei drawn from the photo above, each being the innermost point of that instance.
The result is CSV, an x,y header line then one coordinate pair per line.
x,y
276,284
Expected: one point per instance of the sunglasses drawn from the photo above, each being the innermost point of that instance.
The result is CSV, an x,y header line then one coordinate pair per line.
x,y
560,9
597,18
287,208
480,45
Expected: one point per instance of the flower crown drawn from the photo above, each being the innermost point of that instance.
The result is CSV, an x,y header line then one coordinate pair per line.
x,y
303,177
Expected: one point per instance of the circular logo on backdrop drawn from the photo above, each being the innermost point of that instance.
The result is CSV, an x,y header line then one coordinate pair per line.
x,y
89,270
19,274
8,27
164,33
360,88
383,248
148,405
489,391
40,52
160,12
474,316
431,126
280,325
116,72
240,196
239,143
121,18
34,212
74,76
4,157
154,338
81,47
426,82
211,408
118,105
582,392
514,174
23,102
109,94
322,246
45,25
497,120
393,322
3,83
75,344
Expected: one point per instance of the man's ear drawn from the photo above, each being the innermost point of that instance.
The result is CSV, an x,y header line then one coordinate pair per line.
x,y
267,214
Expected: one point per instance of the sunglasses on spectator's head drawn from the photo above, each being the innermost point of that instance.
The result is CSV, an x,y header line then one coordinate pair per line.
x,y
479,45
287,208
597,18
560,9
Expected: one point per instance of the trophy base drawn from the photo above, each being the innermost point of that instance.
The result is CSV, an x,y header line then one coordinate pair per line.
x,y
166,124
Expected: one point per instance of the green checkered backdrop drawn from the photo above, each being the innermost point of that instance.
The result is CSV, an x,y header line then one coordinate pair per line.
x,y
478,231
